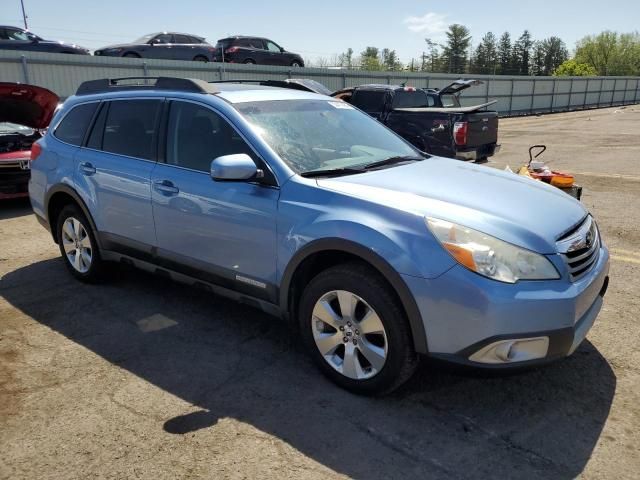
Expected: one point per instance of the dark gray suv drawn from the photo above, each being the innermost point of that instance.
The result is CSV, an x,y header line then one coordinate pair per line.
x,y
163,45
256,50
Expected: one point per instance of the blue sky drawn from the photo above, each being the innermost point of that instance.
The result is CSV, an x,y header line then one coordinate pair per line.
x,y
319,28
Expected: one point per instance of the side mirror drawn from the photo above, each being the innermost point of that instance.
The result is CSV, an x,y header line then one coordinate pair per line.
x,y
282,50
236,167
154,41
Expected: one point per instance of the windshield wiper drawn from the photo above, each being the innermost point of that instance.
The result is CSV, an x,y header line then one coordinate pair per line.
x,y
332,172
391,161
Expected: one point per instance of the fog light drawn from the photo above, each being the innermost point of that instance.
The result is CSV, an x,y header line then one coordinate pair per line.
x,y
512,350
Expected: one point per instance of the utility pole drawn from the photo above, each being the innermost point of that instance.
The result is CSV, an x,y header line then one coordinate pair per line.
x,y
24,15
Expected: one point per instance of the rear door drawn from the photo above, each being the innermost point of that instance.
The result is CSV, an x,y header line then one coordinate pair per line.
x,y
183,47
221,232
114,172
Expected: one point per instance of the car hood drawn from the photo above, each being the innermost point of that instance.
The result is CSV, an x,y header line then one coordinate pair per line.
x,y
27,105
516,209
117,45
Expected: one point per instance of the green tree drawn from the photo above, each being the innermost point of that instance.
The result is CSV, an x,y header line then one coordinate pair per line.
x,y
521,54
390,60
431,61
611,53
571,68
504,54
455,51
485,58
345,59
369,59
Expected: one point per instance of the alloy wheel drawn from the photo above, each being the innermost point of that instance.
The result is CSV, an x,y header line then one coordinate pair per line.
x,y
349,334
77,245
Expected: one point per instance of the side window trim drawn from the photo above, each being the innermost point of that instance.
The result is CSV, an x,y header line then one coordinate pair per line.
x,y
165,132
92,124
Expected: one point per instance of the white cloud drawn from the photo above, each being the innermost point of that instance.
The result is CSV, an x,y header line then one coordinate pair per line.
x,y
432,24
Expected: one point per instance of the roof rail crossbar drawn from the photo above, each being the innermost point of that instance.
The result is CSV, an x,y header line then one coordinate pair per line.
x,y
105,85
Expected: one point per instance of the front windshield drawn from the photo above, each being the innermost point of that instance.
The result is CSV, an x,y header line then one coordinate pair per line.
x,y
145,39
323,134
7,127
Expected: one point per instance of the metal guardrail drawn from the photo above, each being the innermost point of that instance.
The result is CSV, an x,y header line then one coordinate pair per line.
x,y
516,95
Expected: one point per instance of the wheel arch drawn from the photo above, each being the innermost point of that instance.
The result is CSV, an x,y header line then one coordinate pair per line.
x,y
332,251
56,199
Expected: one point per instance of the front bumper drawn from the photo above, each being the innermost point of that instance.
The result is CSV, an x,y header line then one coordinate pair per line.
x,y
464,313
13,181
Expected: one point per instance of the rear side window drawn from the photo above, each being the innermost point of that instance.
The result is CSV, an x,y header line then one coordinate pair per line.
x,y
131,127
411,99
370,101
182,39
74,125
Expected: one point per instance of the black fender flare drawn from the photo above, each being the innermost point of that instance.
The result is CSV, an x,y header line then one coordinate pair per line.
x,y
376,261
63,188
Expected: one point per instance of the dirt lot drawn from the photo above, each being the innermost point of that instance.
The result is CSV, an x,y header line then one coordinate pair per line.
x,y
142,378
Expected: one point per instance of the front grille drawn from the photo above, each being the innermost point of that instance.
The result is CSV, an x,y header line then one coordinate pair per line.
x,y
581,248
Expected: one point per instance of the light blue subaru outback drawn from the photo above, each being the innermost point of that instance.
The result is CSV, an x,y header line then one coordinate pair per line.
x,y
307,208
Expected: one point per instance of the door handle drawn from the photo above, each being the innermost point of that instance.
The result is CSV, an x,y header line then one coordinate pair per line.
x,y
165,187
87,168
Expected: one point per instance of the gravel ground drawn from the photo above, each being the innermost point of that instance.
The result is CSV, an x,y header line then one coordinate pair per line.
x,y
144,378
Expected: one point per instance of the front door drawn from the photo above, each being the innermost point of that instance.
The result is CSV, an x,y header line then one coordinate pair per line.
x,y
221,232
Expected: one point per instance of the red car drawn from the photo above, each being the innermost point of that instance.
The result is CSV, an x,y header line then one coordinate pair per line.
x,y
25,110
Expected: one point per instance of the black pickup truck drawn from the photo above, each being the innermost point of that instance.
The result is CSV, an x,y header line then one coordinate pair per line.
x,y
433,120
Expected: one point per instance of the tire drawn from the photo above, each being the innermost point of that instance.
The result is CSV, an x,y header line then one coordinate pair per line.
x,y
78,245
296,64
131,55
249,61
389,358
201,58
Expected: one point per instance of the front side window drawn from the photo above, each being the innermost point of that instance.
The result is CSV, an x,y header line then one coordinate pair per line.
x,y
371,101
322,134
74,125
164,38
196,135
19,35
130,128
272,47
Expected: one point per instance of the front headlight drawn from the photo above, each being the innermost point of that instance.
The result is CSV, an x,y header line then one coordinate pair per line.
x,y
489,256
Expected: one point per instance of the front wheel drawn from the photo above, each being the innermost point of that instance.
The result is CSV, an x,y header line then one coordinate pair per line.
x,y
78,245
201,58
356,331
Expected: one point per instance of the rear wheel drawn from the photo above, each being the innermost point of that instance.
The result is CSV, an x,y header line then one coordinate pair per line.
x,y
296,63
201,58
355,330
78,245
249,61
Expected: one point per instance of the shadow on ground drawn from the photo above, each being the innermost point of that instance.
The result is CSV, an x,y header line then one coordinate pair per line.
x,y
233,361
15,207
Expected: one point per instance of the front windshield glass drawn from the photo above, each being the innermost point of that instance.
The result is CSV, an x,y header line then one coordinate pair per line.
x,y
323,134
7,127
145,39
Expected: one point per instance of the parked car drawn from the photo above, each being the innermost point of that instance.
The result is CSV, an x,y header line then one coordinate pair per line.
x,y
15,38
256,50
433,120
24,111
311,210
164,45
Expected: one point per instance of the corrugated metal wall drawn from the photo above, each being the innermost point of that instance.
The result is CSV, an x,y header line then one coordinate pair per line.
x,y
515,95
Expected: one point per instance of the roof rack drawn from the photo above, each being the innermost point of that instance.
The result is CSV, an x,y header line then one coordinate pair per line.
x,y
105,85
